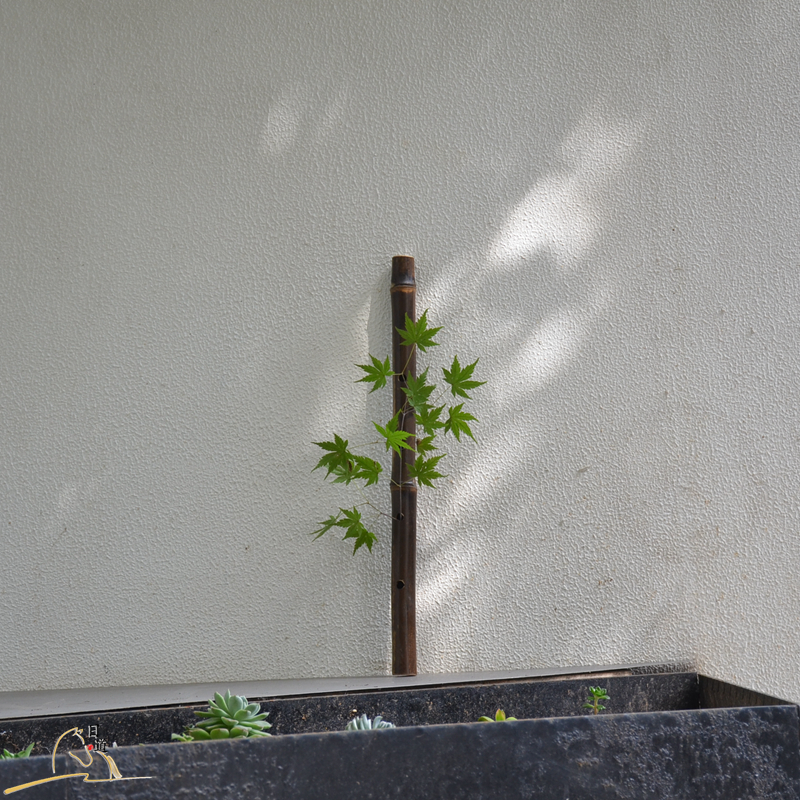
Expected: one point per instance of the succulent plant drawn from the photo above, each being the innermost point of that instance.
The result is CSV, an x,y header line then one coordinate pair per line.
x,y
364,723
500,716
22,753
596,696
229,717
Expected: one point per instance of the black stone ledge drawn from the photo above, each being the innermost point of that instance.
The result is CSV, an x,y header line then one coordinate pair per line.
x,y
725,754
719,694
524,699
59,702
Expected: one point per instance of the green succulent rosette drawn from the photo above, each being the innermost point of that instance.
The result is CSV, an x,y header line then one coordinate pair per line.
x,y
228,717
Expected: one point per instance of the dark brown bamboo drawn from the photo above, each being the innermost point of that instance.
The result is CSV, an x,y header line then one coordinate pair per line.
x,y
404,490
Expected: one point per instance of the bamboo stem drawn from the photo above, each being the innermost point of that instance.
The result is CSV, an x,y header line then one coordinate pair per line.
x,y
404,491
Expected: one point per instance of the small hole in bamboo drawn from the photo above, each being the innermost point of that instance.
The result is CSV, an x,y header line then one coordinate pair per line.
x,y
399,515
400,584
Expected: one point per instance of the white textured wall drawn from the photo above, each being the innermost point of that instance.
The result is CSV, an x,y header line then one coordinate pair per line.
x,y
200,201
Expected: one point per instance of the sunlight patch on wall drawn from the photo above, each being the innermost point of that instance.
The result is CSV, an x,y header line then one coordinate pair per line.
x,y
554,216
443,584
554,342
563,213
284,118
447,581
297,116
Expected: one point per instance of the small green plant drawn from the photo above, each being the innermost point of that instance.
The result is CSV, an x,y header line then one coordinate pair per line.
x,y
364,723
229,717
346,466
22,753
500,716
596,697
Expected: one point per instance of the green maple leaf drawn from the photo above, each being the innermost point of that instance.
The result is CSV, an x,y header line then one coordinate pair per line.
x,y
424,470
418,333
355,529
418,391
460,379
428,418
326,526
367,469
337,460
394,438
357,467
344,474
377,373
425,445
457,422
350,520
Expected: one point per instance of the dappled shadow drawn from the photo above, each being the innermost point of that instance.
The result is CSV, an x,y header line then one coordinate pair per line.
x,y
203,209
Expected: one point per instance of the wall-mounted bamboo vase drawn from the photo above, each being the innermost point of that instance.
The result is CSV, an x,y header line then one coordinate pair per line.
x,y
404,490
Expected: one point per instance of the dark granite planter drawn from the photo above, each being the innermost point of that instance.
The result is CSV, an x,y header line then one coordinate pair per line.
x,y
673,735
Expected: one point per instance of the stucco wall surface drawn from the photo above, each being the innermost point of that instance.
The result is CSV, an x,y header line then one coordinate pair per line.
x,y
200,202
